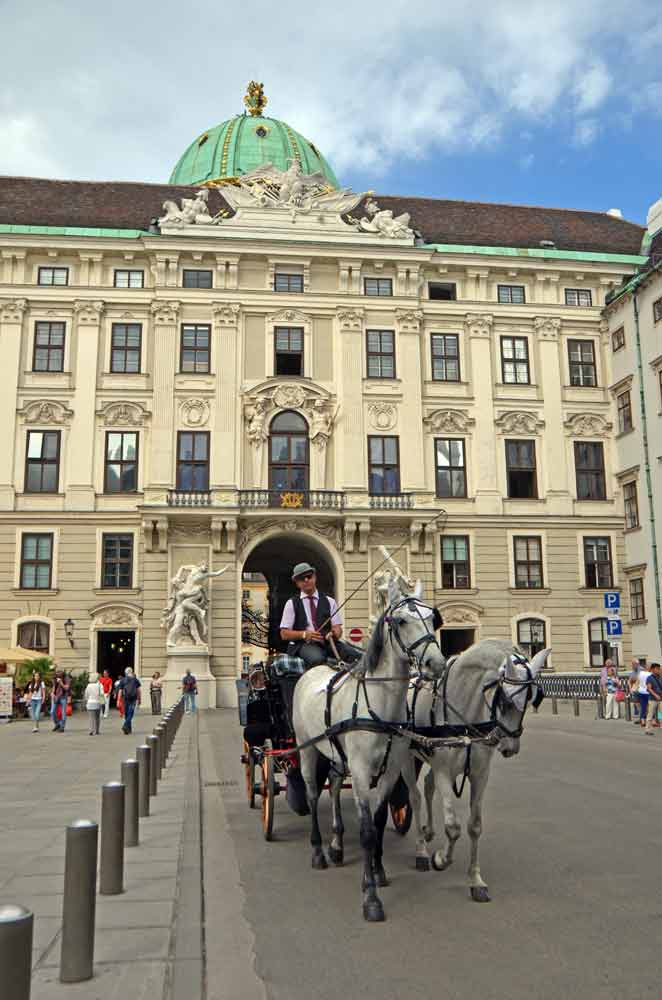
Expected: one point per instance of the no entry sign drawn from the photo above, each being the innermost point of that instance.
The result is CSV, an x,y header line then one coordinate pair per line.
x,y
356,635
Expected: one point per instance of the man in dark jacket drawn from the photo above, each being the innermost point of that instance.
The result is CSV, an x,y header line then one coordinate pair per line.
x,y
310,618
59,699
129,685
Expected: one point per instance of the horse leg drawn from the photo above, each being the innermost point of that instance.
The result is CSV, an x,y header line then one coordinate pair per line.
x,y
336,849
429,786
309,773
372,906
381,814
442,859
477,888
416,802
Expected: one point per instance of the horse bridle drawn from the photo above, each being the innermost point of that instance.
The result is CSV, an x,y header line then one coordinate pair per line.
x,y
500,695
411,651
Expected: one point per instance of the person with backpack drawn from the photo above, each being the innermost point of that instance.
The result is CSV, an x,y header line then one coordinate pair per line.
x,y
129,686
190,689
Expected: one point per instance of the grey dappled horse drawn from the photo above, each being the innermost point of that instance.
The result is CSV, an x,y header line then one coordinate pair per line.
x,y
402,634
487,681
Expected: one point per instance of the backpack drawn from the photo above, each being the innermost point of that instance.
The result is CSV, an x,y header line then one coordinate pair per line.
x,y
131,688
189,682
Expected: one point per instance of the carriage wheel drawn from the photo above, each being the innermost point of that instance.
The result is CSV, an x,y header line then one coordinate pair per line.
x,y
402,817
249,769
268,794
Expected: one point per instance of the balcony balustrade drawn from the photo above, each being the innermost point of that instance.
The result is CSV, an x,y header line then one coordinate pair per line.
x,y
392,501
189,498
292,499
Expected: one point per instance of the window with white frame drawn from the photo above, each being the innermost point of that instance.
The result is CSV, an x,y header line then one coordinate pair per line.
x,y
578,297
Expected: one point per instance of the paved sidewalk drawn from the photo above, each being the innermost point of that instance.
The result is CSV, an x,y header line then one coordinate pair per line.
x,y
49,780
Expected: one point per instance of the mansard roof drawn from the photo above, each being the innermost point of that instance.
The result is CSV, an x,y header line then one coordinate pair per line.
x,y
33,201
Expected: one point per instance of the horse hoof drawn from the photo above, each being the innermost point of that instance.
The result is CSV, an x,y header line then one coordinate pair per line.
x,y
336,857
381,878
439,863
479,894
373,911
422,864
319,862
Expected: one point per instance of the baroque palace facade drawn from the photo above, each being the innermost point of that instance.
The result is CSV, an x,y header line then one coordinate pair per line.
x,y
252,366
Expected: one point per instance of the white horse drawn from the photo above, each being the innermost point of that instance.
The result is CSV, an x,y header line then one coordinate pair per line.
x,y
375,691
491,684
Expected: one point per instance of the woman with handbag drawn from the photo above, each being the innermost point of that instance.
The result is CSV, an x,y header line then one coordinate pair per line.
x,y
36,692
94,703
611,689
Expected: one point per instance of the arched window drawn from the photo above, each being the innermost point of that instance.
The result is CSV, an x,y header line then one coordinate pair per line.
x,y
531,636
34,635
599,644
288,453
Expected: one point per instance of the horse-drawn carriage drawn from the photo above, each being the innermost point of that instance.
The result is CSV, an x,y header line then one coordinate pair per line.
x,y
270,759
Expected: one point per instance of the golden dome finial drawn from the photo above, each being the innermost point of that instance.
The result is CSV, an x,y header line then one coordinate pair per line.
x,y
255,100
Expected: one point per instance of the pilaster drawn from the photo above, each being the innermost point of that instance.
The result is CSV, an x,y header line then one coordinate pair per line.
x,y
12,312
351,472
227,415
78,484
554,462
166,351
478,330
410,422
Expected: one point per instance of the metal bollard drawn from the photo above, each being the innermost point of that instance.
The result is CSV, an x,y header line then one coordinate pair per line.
x,y
555,705
575,706
16,931
600,707
161,733
143,754
131,809
153,744
628,709
79,903
111,874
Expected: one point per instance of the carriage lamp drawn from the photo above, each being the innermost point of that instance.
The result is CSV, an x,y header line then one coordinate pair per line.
x,y
69,626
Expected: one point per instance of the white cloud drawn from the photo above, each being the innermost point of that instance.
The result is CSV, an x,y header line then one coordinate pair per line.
x,y
526,161
586,132
592,87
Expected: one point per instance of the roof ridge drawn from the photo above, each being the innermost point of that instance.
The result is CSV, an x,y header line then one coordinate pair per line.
x,y
61,180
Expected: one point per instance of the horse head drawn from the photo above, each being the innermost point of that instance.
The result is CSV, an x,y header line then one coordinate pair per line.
x,y
516,686
410,625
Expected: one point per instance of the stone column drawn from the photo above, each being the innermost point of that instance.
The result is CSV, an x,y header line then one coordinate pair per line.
x,y
410,428
478,330
78,483
226,426
352,471
554,461
12,312
162,440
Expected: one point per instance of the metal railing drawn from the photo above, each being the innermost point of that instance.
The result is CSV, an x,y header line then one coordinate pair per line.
x,y
586,687
392,501
189,498
292,499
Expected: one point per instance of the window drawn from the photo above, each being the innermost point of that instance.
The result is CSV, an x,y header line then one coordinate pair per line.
x,y
288,346
117,568
578,297
378,286
48,347
245,595
36,561
657,310
288,282
121,466
618,339
445,357
195,348
129,279
511,294
245,664
53,276
531,636
451,470
521,470
528,562
637,609
624,407
383,465
35,636
600,647
196,279
515,360
581,358
288,453
381,353
455,573
590,470
631,505
42,462
597,563
445,291
193,461
125,345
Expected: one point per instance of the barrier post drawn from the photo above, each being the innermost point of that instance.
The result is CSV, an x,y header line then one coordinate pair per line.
x,y
16,932
143,753
111,874
163,748
628,709
575,706
555,705
131,806
599,704
152,743
79,903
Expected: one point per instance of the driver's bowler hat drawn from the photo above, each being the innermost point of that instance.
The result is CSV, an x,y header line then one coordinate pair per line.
x,y
301,569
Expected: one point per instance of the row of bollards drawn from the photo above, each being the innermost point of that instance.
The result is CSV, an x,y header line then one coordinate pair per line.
x,y
599,706
123,804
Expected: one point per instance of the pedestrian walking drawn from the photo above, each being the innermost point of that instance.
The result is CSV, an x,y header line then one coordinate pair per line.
x,y
654,685
633,684
190,689
155,692
643,694
610,689
59,699
106,682
94,699
129,688
37,694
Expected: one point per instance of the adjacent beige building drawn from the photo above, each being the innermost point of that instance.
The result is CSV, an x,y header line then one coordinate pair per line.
x,y
282,371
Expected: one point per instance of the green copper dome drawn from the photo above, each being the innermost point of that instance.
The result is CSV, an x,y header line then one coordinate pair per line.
x,y
243,143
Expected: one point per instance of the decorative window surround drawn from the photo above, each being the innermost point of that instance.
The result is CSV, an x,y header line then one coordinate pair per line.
x,y
289,318
285,265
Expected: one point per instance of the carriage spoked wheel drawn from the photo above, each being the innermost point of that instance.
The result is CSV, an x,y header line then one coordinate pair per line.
x,y
249,770
401,817
268,793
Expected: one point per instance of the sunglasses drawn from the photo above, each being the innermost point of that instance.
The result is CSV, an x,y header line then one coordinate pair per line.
x,y
307,576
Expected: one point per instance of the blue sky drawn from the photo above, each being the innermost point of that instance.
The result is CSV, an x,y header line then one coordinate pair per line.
x,y
537,103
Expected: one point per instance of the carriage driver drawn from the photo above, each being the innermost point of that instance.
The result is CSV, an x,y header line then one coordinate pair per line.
x,y
309,618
